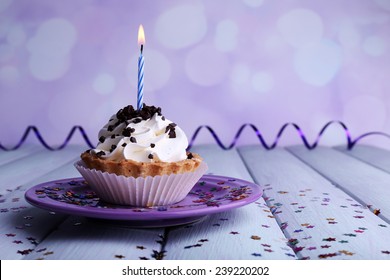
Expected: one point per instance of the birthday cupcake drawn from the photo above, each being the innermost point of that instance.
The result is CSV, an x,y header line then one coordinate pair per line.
x,y
141,160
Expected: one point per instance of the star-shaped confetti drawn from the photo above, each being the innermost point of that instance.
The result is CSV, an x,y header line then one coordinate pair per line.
x,y
343,241
298,249
325,246
256,254
234,232
345,252
143,258
10,234
329,239
377,211
24,252
255,237
203,240
324,256
386,252
119,256
141,247
158,255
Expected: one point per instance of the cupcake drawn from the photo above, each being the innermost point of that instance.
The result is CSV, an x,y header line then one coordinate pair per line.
x,y
141,160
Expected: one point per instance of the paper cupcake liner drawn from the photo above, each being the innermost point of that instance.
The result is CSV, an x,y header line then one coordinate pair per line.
x,y
141,191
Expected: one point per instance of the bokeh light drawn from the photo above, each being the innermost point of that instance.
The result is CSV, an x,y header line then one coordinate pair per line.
x,y
181,26
221,63
301,27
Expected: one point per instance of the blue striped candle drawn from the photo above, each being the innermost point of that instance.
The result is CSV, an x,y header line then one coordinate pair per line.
x,y
141,62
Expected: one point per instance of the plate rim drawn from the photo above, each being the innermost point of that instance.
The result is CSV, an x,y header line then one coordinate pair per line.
x,y
112,213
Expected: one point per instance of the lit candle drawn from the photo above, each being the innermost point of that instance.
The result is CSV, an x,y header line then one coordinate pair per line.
x,y
141,62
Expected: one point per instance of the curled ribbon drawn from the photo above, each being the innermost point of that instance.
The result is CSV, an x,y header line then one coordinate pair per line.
x,y
350,142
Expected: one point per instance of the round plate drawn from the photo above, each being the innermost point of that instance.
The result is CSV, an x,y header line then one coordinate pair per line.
x,y
211,194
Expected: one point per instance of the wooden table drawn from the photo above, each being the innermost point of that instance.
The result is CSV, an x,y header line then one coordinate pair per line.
x,y
328,203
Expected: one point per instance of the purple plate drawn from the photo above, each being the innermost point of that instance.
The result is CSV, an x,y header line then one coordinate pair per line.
x,y
211,194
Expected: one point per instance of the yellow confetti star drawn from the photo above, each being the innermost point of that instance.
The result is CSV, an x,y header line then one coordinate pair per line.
x,y
377,211
255,237
345,252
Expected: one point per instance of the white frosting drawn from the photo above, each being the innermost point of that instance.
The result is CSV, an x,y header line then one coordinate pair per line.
x,y
146,133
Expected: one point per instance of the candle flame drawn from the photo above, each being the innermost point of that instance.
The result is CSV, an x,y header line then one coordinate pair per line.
x,y
141,35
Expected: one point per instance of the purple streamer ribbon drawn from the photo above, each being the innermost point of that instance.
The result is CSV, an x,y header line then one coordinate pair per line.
x,y
350,142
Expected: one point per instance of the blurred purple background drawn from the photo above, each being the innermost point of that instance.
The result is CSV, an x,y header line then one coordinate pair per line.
x,y
221,63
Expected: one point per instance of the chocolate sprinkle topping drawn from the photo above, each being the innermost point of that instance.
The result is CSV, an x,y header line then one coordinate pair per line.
x,y
137,120
133,140
127,131
172,134
101,139
124,144
113,147
171,129
101,153
128,113
190,156
150,156
152,145
113,136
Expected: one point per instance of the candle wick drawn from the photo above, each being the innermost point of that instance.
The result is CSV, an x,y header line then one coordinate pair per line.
x,y
142,48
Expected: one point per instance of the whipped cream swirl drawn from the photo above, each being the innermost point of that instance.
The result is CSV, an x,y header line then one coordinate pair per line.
x,y
142,136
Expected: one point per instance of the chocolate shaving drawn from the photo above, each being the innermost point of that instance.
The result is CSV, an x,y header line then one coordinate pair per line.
x,y
171,129
101,153
152,145
150,156
128,113
101,139
124,144
133,140
127,132
172,134
113,147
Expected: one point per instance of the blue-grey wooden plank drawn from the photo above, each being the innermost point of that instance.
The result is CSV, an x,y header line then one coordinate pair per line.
x,y
365,183
374,156
320,220
249,232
